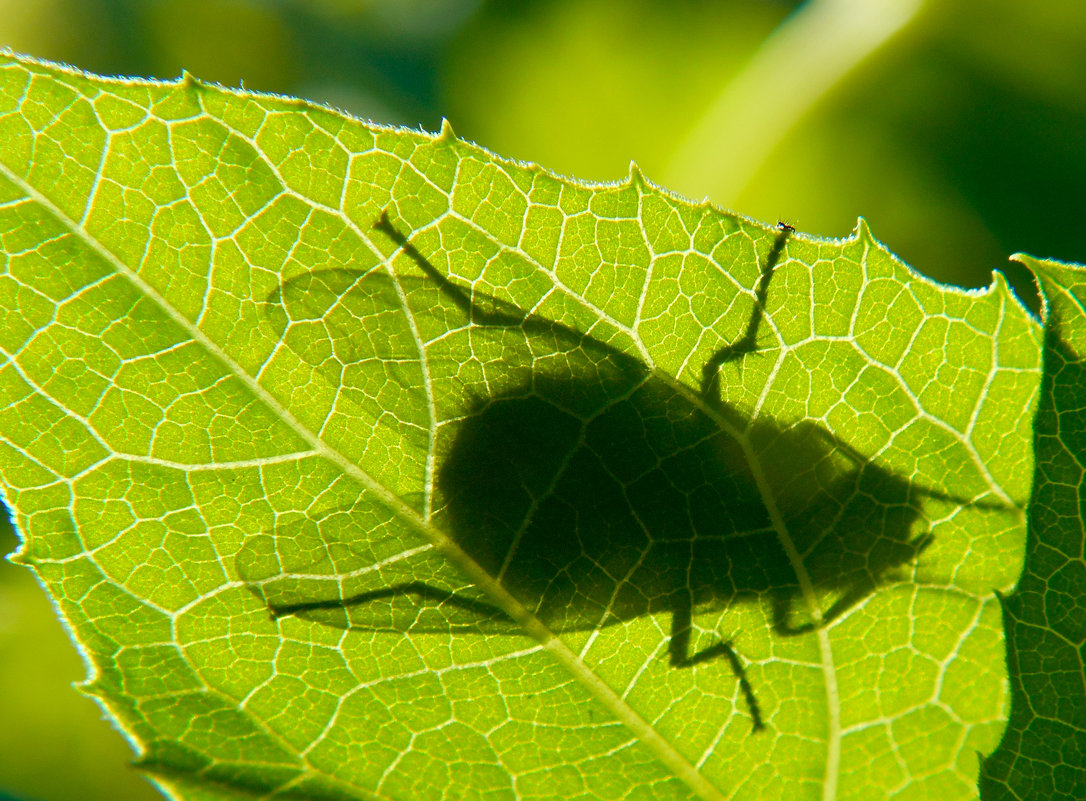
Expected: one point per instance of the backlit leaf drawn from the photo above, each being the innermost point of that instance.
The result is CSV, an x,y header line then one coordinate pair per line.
x,y
366,464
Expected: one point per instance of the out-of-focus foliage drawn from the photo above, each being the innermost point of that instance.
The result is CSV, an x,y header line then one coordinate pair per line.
x,y
960,140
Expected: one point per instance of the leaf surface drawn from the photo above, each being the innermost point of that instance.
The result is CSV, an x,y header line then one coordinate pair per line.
x,y
365,464
1043,753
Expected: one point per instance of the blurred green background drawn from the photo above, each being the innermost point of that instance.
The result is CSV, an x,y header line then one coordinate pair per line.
x,y
956,127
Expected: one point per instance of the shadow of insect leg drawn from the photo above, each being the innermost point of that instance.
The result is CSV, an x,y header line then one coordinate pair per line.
x,y
425,596
710,373
679,652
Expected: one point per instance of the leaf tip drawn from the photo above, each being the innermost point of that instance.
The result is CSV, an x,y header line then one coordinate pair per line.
x,y
636,177
1024,259
1001,287
446,135
1047,275
1047,267
19,558
21,555
999,282
862,231
188,80
92,688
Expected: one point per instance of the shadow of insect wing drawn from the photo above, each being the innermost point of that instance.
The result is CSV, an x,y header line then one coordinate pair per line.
x,y
386,366
350,365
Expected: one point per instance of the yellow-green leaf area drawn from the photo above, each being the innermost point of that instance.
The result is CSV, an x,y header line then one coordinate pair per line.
x,y
311,162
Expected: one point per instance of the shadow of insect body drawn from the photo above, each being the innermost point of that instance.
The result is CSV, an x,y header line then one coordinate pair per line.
x,y
598,491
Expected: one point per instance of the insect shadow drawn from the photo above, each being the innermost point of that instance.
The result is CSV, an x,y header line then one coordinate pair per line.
x,y
597,491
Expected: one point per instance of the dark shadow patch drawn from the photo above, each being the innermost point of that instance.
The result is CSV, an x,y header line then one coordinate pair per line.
x,y
602,494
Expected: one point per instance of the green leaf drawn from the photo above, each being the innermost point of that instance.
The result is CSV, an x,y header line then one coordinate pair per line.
x,y
365,464
1043,754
